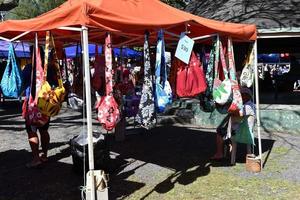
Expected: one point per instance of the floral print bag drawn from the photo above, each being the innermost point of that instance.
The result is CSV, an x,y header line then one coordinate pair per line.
x,y
108,109
146,115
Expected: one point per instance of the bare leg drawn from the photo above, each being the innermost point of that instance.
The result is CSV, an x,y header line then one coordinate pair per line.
x,y
34,145
45,139
219,144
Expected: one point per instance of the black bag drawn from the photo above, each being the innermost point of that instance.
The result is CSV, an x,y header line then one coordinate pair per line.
x,y
79,151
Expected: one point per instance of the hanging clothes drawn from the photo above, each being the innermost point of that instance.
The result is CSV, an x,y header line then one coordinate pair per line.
x,y
146,116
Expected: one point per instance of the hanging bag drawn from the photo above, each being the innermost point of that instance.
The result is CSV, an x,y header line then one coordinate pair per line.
x,y
49,99
11,83
146,116
222,88
237,102
190,80
247,76
244,134
108,109
30,109
163,89
207,103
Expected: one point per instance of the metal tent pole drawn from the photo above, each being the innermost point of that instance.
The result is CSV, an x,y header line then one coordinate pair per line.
x,y
87,77
257,102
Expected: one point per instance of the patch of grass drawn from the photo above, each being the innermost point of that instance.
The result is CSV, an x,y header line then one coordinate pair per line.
x,y
280,150
221,185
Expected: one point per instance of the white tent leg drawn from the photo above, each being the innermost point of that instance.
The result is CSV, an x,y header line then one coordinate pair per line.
x,y
87,77
257,103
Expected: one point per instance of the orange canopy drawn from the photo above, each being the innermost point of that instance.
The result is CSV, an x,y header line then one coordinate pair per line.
x,y
125,18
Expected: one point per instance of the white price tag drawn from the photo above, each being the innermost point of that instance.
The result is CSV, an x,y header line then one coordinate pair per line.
x,y
184,48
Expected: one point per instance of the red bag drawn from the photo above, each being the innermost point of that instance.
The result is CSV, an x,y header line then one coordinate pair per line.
x,y
108,109
30,110
190,79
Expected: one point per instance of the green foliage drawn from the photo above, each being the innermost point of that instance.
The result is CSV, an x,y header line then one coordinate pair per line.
x,y
32,8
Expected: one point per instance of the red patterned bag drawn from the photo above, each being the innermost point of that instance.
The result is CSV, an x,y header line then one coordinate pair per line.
x,y
237,102
30,110
108,109
190,80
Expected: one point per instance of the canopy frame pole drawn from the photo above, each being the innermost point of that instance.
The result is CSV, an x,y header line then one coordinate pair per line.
x,y
5,39
88,108
129,41
19,36
204,37
257,104
70,28
172,34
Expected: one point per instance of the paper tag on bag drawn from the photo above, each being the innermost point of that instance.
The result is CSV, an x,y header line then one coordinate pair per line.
x,y
184,48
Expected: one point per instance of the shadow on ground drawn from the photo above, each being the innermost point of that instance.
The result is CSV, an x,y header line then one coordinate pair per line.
x,y
185,151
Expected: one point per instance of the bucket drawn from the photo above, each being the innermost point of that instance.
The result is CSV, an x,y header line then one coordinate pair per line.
x,y
253,164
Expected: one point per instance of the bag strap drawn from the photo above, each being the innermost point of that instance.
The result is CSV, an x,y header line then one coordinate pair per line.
x,y
250,56
108,63
163,59
50,41
223,61
30,100
10,58
210,66
232,70
216,63
158,63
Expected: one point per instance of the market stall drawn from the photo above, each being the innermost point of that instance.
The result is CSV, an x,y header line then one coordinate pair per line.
x,y
126,21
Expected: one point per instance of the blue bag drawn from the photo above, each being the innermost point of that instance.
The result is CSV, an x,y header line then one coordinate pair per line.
x,y
11,83
163,91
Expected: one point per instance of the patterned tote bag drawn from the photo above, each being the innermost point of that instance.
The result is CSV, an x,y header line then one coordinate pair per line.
x,y
108,109
222,88
163,89
237,102
146,116
207,103
11,83
31,112
247,76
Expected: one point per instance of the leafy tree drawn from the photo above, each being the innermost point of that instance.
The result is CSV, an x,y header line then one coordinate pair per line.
x,y
32,8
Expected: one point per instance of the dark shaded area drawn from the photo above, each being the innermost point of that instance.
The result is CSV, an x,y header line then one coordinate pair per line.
x,y
54,181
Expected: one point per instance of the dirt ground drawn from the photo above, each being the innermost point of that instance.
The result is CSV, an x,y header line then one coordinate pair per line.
x,y
168,162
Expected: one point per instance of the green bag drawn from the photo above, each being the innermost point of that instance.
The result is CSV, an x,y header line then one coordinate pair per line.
x,y
244,134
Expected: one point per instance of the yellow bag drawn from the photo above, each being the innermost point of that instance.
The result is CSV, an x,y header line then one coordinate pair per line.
x,y
50,100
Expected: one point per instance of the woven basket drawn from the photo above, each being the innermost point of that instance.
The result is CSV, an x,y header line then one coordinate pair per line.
x,y
252,164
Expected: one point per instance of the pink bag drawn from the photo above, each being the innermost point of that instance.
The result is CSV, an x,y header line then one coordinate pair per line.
x,y
32,115
108,109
